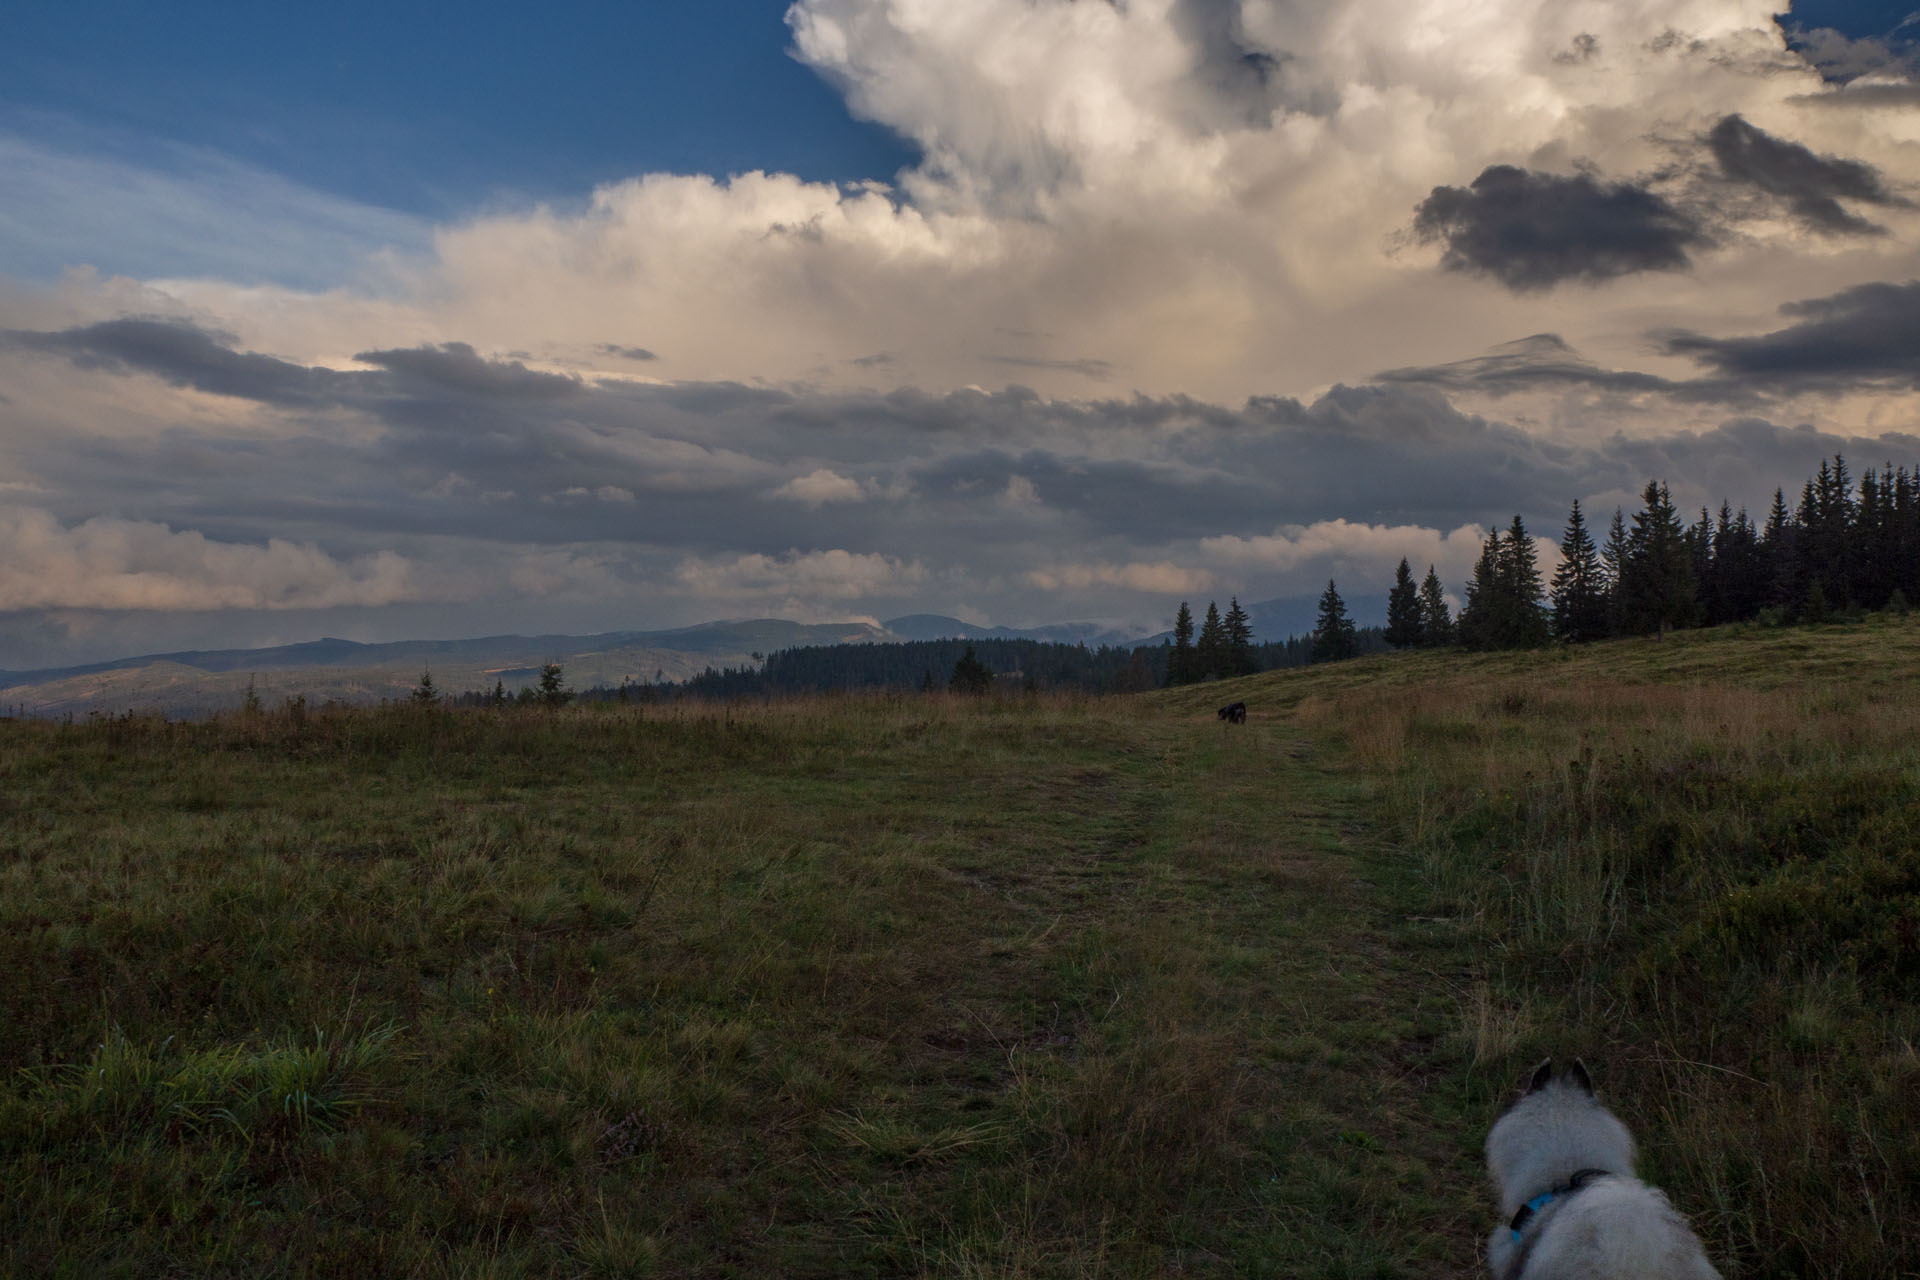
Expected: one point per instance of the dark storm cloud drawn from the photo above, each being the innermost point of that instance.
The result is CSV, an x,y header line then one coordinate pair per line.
x,y
457,367
1014,413
186,355
1742,461
1390,455
711,397
183,355
637,354
1811,185
971,481
1534,230
1530,364
1152,501
1866,336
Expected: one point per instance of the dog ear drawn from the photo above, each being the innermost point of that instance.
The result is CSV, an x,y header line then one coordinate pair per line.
x,y
1581,1080
1542,1077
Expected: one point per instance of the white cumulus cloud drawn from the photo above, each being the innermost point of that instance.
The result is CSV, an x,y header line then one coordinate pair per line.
x,y
817,575
1162,577
821,485
1373,549
1197,197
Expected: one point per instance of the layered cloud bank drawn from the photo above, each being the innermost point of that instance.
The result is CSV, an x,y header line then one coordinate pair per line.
x,y
126,564
1185,296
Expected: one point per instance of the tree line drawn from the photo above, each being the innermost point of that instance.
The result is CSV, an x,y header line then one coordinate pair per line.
x,y
972,666
1844,546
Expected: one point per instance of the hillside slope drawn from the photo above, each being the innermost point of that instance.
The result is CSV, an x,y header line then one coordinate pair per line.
x,y
1023,985
1696,863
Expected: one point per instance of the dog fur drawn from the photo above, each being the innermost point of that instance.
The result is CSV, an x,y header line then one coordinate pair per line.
x,y
1604,1223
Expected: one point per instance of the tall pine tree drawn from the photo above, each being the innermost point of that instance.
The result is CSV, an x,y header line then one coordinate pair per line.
x,y
1436,621
1780,548
1403,609
1613,563
1656,582
1210,653
1745,578
1333,633
1476,627
1579,585
1241,660
1522,618
1180,663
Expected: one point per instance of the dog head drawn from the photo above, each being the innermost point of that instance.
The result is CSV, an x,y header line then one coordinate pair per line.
x,y
1556,1129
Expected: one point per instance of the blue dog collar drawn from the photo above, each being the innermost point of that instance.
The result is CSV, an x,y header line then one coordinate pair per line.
x,y
1578,1182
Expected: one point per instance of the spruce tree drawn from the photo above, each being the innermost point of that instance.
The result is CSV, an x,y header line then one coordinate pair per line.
x,y
1180,669
1872,555
1741,570
553,692
1906,534
1403,609
1613,562
425,693
1713,576
1579,588
970,675
1436,621
1522,620
1477,613
1657,586
1779,547
1239,631
1827,517
1333,634
1210,652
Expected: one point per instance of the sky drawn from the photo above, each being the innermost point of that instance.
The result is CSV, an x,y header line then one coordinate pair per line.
x,y
382,323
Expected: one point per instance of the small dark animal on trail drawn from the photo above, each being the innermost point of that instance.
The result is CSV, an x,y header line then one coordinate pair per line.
x,y
1234,713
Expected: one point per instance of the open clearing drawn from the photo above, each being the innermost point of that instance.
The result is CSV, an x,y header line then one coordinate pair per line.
x,y
933,986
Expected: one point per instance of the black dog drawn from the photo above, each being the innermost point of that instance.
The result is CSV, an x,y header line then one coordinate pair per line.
x,y
1234,713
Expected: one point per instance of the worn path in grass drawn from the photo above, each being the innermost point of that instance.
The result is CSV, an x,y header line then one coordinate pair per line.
x,y
882,987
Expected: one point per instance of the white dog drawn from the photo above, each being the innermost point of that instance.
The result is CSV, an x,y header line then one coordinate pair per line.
x,y
1563,1166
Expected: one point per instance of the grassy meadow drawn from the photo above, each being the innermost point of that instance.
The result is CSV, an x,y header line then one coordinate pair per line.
x,y
928,986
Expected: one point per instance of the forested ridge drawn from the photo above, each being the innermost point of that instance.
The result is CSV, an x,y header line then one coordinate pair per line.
x,y
928,665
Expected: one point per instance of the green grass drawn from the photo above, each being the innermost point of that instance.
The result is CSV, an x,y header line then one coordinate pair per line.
x,y
843,987
941,987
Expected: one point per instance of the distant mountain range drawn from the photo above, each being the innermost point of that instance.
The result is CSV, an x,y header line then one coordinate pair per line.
x,y
934,626
190,683
199,681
